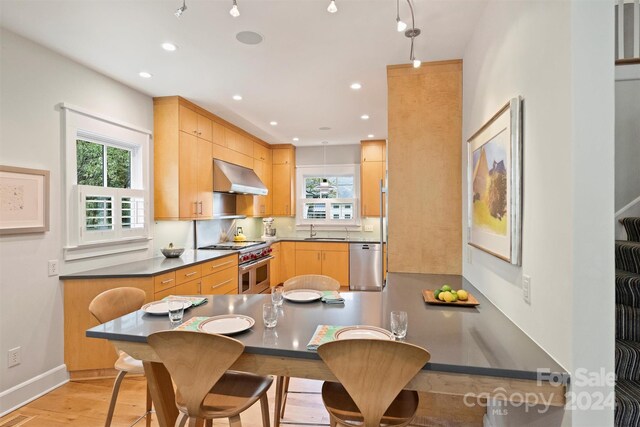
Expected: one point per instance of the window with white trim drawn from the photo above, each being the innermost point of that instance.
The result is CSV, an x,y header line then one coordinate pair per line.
x,y
107,175
334,206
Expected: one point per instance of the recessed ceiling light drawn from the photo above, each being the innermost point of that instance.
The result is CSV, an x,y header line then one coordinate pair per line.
x,y
169,47
237,97
325,128
370,135
364,117
296,139
273,123
249,37
356,86
144,75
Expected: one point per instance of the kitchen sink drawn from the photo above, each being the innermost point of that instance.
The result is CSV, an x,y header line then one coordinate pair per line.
x,y
327,239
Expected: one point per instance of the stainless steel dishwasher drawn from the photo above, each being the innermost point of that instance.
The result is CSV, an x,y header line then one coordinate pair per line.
x,y
365,267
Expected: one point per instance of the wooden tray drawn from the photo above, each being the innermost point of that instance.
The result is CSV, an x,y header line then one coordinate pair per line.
x,y
430,299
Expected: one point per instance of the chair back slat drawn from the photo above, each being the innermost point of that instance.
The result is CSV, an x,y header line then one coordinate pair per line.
x,y
195,361
373,371
312,281
115,303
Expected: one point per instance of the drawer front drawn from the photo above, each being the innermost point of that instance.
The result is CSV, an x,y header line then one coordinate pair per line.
x,y
163,294
219,264
322,246
188,274
220,283
164,281
189,288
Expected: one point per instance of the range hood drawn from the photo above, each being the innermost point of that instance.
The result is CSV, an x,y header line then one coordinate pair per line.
x,y
230,178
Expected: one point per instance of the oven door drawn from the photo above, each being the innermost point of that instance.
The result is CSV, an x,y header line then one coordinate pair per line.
x,y
253,278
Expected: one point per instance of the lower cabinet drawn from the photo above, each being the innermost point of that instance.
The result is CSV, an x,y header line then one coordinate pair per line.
x,y
89,357
328,259
274,279
287,261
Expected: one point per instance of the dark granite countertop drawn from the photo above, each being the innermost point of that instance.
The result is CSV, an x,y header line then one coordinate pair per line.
x,y
325,240
480,341
149,267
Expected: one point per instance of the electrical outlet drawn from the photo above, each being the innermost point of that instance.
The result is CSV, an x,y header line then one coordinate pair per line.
x,y
368,227
526,288
53,267
14,357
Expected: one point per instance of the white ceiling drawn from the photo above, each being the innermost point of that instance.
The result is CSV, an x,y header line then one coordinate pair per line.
x,y
299,76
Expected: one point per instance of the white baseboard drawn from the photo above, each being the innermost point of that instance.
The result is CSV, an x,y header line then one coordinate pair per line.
x,y
30,390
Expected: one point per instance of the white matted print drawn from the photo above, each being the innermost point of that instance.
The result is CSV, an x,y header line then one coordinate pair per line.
x,y
24,200
495,189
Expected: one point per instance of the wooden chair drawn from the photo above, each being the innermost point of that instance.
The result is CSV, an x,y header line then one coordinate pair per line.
x,y
198,364
306,281
372,374
110,305
312,281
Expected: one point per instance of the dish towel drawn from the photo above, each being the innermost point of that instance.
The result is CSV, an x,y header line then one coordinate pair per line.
x,y
191,324
332,297
323,334
195,301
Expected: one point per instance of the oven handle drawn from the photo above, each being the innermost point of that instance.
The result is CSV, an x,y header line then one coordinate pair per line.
x,y
254,264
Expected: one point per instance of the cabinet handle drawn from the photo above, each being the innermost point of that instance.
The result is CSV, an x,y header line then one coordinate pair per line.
x,y
196,206
166,281
365,210
220,284
324,256
199,133
220,265
191,274
200,208
318,256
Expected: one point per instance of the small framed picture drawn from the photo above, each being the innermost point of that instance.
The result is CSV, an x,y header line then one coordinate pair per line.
x,y
24,200
495,184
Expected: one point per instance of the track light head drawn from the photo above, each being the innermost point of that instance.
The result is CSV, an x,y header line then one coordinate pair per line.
x,y
332,7
178,13
235,12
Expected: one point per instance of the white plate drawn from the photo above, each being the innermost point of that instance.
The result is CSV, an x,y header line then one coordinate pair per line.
x,y
226,324
302,295
363,333
161,307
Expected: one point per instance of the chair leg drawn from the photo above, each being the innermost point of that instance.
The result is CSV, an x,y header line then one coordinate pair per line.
x,y
332,421
148,407
208,423
181,420
114,397
278,403
285,394
235,421
264,406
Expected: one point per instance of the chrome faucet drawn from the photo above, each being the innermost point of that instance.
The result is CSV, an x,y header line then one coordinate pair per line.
x,y
311,232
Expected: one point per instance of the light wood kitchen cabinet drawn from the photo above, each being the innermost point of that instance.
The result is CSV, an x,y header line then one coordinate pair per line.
x,y
287,260
259,206
183,177
224,282
283,181
372,171
238,142
275,265
328,259
188,288
217,134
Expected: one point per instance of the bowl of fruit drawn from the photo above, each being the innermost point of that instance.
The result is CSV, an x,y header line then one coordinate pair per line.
x,y
447,295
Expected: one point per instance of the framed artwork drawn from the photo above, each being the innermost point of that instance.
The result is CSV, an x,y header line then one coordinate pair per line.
x,y
24,200
495,184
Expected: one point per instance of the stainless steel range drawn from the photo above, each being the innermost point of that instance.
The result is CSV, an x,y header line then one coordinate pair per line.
x,y
254,268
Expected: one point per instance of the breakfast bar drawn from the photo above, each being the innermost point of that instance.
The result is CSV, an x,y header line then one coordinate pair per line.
x,y
475,351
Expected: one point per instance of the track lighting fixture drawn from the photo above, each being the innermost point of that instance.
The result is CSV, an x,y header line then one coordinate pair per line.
x,y
412,33
400,25
332,7
181,9
234,10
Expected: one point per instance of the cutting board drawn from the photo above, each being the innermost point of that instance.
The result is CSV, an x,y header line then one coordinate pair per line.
x,y
430,299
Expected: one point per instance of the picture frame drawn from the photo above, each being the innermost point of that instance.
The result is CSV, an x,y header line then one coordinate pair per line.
x,y
494,178
24,200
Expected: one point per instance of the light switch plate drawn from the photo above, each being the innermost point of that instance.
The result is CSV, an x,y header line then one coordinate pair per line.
x,y
368,227
526,288
53,267
14,357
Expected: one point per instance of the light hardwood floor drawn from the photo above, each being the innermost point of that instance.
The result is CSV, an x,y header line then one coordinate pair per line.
x,y
84,404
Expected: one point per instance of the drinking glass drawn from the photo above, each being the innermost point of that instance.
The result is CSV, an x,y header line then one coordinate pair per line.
x,y
399,324
176,310
277,296
270,315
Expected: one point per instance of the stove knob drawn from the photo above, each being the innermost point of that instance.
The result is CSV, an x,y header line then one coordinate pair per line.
x,y
269,250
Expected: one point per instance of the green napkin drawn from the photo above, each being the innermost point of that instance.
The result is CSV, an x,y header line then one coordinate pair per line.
x,y
323,334
332,297
191,324
195,301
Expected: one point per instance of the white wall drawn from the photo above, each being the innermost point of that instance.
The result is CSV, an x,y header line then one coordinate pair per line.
x,y
558,55
33,81
627,142
336,155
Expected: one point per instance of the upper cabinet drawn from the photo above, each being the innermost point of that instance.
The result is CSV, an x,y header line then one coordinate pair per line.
x,y
283,178
183,175
372,171
186,140
260,206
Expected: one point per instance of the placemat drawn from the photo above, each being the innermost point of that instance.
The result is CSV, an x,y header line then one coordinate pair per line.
x,y
191,324
323,334
195,301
